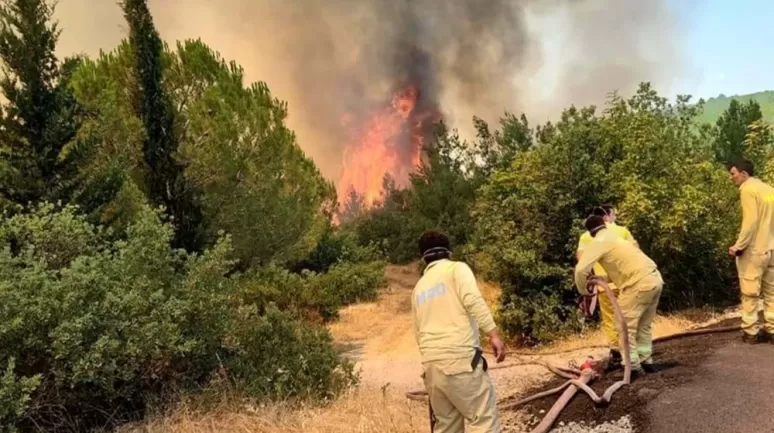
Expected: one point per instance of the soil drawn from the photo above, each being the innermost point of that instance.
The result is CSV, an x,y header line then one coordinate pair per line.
x,y
676,361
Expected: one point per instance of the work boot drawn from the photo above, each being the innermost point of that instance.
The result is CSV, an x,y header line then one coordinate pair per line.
x,y
648,365
614,361
760,337
637,372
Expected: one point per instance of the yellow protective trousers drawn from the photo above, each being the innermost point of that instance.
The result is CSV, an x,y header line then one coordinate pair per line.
x,y
638,305
463,399
607,317
756,278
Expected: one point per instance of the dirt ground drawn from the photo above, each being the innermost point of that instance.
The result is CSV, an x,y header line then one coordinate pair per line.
x,y
679,365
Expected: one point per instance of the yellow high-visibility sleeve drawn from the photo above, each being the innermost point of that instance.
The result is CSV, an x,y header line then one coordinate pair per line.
x,y
591,255
471,297
749,218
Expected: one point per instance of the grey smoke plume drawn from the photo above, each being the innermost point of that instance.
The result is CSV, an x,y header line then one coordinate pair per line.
x,y
328,58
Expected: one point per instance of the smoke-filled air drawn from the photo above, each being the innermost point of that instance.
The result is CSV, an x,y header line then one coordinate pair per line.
x,y
366,79
276,215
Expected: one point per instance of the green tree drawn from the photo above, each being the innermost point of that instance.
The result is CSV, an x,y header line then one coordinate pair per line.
x,y
759,147
40,114
254,180
528,217
731,129
391,225
251,178
166,183
353,207
497,149
677,201
110,181
443,188
643,154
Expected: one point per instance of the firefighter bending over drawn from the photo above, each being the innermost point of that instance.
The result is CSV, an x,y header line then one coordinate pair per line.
x,y
447,311
639,285
608,213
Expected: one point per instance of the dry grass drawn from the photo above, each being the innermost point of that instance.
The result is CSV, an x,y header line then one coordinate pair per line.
x,y
388,315
662,326
379,337
363,411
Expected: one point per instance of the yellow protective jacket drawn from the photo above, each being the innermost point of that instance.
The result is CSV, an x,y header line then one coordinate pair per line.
x,y
586,239
756,234
447,311
626,265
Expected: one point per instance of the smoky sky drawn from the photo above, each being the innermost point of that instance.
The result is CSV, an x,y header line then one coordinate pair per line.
x,y
330,58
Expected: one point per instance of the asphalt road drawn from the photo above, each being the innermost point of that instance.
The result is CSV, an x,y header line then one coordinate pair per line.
x,y
732,392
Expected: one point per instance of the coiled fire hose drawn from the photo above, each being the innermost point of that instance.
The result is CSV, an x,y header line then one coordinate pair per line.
x,y
578,379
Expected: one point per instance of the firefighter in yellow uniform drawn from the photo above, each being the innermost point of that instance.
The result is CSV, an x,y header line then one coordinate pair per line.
x,y
754,251
448,311
639,284
608,214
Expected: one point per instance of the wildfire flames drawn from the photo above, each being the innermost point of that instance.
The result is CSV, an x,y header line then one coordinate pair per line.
x,y
388,141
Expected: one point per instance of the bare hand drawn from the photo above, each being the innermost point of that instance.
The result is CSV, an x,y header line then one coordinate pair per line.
x,y
498,347
732,251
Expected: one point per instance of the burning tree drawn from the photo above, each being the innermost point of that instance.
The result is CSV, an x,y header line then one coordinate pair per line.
x,y
386,141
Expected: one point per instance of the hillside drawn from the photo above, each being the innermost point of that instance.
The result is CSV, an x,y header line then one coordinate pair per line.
x,y
714,107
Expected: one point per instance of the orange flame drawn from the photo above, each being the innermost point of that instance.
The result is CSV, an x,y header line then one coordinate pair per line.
x,y
390,142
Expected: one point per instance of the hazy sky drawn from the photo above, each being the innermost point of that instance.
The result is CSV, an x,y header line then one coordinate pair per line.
x,y
725,41
728,47
563,52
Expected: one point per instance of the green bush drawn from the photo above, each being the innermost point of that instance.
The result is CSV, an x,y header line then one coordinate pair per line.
x,y
311,295
350,283
337,246
91,335
393,231
14,396
536,318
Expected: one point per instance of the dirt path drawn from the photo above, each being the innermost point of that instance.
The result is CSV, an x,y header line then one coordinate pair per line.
x,y
378,335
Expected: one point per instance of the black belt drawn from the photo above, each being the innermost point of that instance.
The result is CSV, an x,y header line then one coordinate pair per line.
x,y
478,357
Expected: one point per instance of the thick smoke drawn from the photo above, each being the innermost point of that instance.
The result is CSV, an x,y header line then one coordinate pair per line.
x,y
329,58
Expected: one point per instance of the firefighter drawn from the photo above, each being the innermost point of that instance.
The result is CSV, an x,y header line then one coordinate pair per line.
x,y
448,311
753,251
639,284
608,214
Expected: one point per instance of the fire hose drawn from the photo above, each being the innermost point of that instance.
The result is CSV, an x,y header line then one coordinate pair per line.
x,y
578,379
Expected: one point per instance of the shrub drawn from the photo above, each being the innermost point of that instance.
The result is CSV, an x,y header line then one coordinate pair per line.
x,y
311,295
349,283
529,320
99,331
14,396
337,246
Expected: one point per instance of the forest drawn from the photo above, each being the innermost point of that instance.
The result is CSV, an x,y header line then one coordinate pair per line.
x,y
163,233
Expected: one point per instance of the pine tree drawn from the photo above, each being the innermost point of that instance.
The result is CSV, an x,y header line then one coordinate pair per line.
x,y
40,115
166,184
732,127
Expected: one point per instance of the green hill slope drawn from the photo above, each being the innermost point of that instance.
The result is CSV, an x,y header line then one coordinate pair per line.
x,y
714,107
